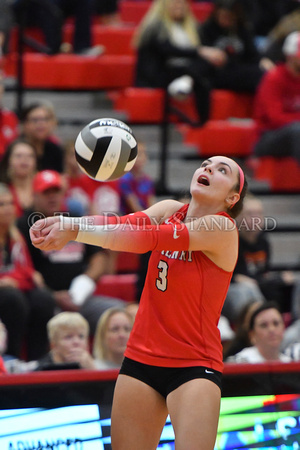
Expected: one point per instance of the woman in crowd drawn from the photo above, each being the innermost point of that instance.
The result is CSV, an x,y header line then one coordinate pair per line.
x,y
266,330
169,49
17,169
68,334
111,338
227,30
25,306
38,123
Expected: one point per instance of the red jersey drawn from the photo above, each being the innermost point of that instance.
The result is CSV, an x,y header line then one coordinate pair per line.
x,y
16,263
177,321
8,128
277,101
2,367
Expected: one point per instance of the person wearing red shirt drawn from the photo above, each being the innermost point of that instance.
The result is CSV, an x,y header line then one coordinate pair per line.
x,y
173,362
277,105
25,306
2,367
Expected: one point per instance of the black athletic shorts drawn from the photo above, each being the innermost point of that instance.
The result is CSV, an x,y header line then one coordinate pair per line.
x,y
166,379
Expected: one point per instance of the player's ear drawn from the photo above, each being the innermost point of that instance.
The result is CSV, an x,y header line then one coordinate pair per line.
x,y
232,199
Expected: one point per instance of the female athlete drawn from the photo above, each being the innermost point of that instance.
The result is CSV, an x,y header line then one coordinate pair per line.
x,y
173,361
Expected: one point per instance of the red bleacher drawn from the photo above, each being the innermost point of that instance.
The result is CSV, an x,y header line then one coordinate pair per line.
x,y
282,174
116,39
145,105
222,137
219,135
123,283
121,286
111,70
64,72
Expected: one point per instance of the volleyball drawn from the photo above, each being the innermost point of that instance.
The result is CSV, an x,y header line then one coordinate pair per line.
x,y
106,149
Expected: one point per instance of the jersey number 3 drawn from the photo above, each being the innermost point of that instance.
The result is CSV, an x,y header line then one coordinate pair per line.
x,y
162,279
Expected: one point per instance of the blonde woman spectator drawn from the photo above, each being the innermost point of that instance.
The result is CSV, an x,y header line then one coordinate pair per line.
x,y
68,334
266,330
111,338
170,54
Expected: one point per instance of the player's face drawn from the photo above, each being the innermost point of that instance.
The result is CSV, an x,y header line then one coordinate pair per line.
x,y
216,178
268,329
117,334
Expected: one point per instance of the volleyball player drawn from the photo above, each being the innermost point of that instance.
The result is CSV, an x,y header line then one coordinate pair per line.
x,y
173,361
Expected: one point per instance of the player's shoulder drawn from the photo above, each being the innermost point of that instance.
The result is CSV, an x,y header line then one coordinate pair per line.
x,y
164,209
222,222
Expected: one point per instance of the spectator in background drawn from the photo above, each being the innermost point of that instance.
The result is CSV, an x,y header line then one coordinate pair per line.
x,y
252,278
50,17
6,24
240,340
2,366
263,15
77,195
266,329
277,106
17,169
8,121
25,305
73,272
137,191
94,197
38,123
3,346
292,332
108,10
110,340
68,334
132,309
277,35
170,54
86,196
228,30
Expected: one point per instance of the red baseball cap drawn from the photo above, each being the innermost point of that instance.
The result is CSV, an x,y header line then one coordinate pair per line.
x,y
47,179
291,46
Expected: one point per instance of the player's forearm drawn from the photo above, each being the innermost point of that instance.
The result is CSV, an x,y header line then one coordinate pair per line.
x,y
133,238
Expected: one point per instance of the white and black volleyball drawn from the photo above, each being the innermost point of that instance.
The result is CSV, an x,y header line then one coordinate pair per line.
x,y
106,149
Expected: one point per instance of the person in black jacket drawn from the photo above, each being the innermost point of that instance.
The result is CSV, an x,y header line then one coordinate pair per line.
x,y
228,30
169,48
253,280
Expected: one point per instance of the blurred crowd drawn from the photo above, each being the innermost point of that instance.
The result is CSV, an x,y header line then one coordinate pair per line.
x,y
51,313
